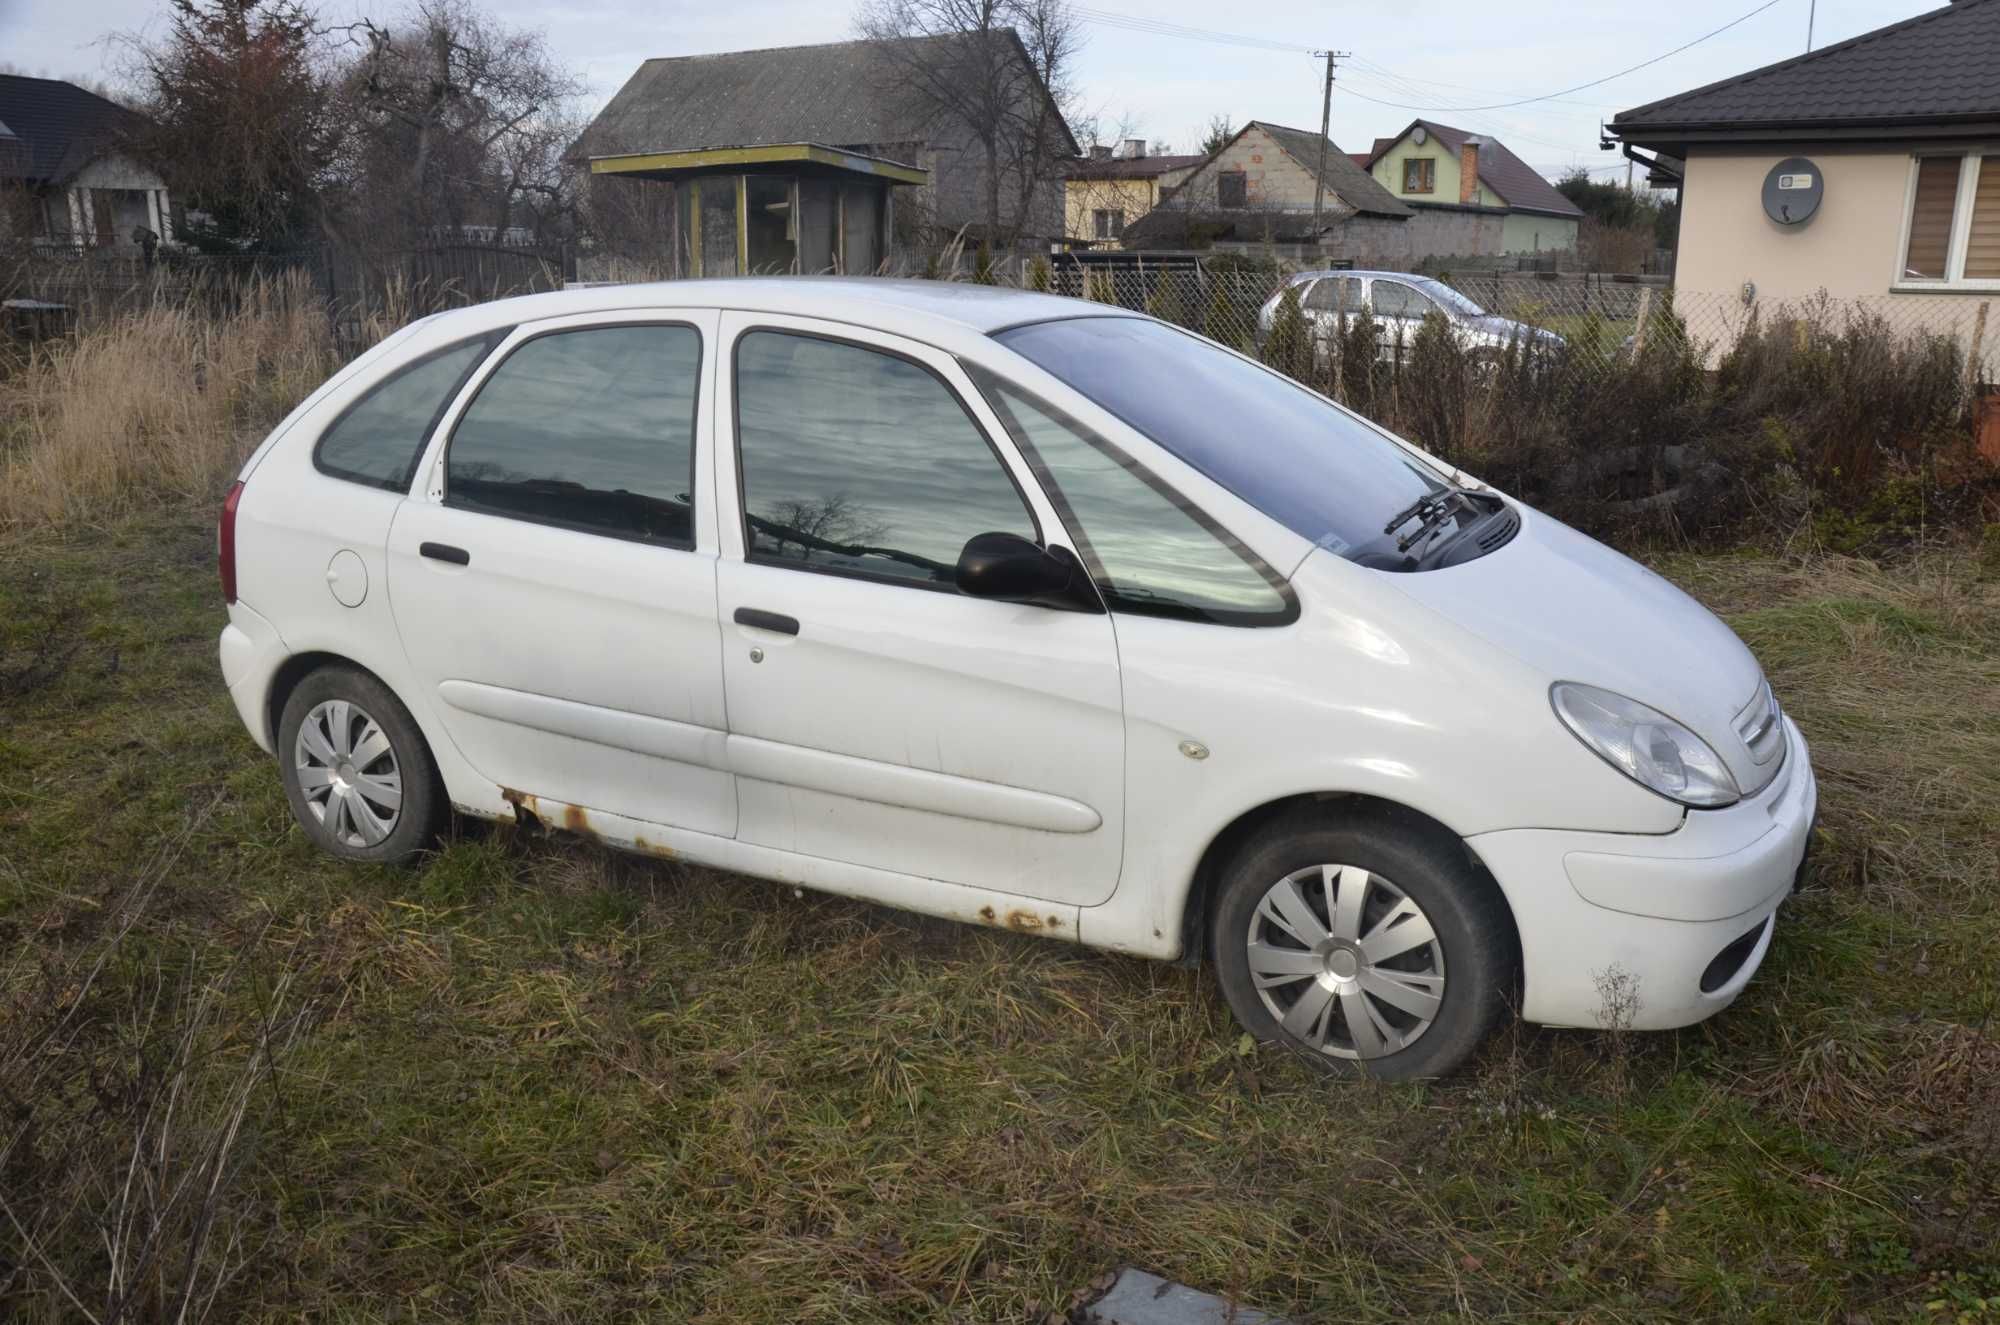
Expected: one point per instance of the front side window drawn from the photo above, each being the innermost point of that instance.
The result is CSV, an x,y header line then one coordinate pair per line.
x,y
378,439
1420,175
859,462
1151,553
590,430
1395,299
1291,453
1950,242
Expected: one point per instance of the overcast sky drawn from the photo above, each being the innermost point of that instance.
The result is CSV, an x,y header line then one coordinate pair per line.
x,y
1440,55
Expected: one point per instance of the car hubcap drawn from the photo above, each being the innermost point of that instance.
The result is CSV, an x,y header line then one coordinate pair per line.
x,y
348,773
1347,963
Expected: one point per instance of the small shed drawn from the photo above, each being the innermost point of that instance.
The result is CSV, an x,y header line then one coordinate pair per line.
x,y
772,207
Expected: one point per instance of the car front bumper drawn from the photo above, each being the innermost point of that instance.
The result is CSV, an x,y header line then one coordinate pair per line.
x,y
1652,932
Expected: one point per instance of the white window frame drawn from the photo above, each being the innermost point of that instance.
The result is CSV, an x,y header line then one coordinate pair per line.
x,y
1961,224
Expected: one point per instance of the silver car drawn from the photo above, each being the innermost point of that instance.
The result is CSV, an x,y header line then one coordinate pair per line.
x,y
1399,302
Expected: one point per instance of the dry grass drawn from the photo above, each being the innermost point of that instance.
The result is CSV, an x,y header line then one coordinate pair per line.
x,y
159,403
546,1082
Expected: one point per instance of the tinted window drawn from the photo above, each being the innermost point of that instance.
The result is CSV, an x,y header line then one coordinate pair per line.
x,y
1149,551
591,430
1394,299
862,462
1287,451
1335,294
379,438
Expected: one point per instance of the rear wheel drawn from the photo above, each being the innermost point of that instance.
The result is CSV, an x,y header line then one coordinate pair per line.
x,y
1371,947
357,772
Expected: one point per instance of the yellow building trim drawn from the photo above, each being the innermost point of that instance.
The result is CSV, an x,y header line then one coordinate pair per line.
x,y
714,158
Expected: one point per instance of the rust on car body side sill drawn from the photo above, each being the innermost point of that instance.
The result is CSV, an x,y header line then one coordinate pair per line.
x,y
1020,920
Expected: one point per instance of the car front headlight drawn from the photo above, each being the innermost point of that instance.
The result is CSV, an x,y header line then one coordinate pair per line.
x,y
1645,745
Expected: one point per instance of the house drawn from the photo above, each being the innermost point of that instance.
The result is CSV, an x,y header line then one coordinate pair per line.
x,y
1259,188
1866,168
1432,166
805,157
64,147
1103,191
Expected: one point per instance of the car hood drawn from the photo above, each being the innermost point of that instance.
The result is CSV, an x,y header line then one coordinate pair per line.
x,y
1575,610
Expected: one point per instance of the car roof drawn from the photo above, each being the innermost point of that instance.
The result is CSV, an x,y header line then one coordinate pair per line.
x,y
1337,271
885,303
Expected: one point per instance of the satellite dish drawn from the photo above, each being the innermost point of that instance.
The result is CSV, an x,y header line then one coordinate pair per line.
x,y
1793,191
1421,136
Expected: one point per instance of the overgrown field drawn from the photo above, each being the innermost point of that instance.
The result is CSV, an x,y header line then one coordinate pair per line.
x,y
536,1081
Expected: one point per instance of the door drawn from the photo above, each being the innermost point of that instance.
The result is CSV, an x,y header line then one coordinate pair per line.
x,y
876,715
1330,299
554,579
1399,310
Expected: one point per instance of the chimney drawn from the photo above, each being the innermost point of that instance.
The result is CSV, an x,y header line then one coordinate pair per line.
x,y
1134,148
1100,151
1468,169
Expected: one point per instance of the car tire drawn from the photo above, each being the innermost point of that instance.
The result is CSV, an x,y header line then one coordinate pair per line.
x,y
357,771
1383,918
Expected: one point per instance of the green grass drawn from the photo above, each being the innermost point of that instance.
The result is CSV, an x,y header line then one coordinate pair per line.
x,y
533,1079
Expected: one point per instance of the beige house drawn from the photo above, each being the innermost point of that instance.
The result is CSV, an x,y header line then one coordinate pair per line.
x,y
1867,169
1105,191
1433,166
63,147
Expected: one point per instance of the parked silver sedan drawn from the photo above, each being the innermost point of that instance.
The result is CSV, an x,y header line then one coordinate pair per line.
x,y
1399,303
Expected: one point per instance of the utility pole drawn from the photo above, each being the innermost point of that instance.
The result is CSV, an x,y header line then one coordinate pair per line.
x,y
1325,127
1812,12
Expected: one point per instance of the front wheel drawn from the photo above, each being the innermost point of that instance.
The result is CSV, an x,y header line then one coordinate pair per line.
x,y
1372,947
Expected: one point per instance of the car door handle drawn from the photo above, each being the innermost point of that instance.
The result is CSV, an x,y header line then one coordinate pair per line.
x,y
457,556
758,619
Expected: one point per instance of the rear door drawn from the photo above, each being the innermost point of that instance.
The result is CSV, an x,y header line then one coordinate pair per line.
x,y
1331,298
1399,310
553,580
876,715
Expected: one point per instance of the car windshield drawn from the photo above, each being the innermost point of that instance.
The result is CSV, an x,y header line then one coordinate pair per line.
x,y
1451,299
1287,451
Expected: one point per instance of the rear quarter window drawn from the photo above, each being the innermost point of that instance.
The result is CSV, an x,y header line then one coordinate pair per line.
x,y
378,439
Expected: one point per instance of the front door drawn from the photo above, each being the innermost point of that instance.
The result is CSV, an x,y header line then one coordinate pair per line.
x,y
877,716
554,579
1399,312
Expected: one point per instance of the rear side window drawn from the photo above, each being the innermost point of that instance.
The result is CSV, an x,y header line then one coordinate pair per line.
x,y
1335,294
378,439
858,462
1150,551
590,430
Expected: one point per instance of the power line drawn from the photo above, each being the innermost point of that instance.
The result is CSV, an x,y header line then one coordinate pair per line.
x,y
1525,101
1159,27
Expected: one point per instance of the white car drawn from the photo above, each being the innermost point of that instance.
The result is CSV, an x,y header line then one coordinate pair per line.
x,y
1022,611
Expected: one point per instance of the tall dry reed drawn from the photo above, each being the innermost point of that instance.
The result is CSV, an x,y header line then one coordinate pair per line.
x,y
156,404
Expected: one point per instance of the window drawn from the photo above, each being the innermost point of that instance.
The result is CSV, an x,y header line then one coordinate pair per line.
x,y
1289,452
1394,299
859,462
1107,223
590,430
1335,294
1151,553
378,439
1954,221
770,227
1420,174
1232,189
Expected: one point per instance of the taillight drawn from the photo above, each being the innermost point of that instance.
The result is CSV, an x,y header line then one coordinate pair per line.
x,y
225,541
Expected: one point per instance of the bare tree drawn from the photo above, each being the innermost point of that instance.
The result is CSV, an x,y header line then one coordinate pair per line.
x,y
459,120
997,69
239,114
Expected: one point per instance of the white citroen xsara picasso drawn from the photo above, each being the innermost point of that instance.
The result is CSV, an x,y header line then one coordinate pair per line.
x,y
1024,612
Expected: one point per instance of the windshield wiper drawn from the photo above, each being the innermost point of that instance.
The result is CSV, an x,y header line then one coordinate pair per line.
x,y
1429,511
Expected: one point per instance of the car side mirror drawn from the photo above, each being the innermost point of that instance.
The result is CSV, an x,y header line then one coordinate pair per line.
x,y
1011,569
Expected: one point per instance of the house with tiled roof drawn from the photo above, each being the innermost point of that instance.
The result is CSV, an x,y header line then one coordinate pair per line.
x,y
1434,167
1110,187
1866,168
66,147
